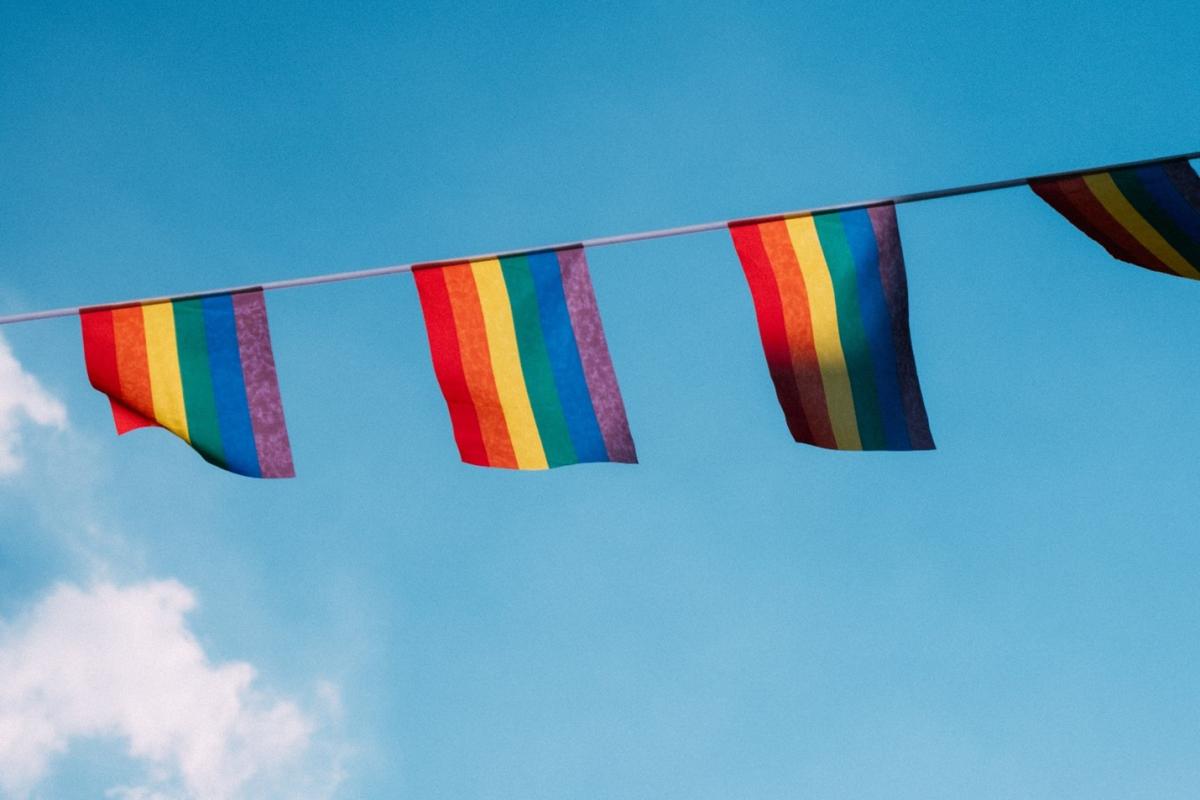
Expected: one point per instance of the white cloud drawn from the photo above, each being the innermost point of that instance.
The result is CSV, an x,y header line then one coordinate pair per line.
x,y
22,399
112,661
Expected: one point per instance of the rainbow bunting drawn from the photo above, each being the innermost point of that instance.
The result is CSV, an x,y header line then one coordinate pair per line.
x,y
1149,216
831,298
519,352
202,368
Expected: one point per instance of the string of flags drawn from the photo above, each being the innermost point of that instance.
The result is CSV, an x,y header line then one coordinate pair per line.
x,y
519,351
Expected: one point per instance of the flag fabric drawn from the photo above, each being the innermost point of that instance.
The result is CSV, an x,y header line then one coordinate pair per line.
x,y
1149,215
521,358
831,298
202,368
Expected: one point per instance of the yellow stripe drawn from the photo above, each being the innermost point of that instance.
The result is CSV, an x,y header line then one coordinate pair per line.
x,y
826,339
506,365
1114,202
166,387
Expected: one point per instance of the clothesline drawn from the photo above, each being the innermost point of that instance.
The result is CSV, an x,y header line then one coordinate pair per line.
x,y
625,238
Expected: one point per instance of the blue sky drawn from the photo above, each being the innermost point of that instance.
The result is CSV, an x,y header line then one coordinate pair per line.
x,y
1011,616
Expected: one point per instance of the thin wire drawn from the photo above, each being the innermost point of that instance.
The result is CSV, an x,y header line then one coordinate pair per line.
x,y
601,241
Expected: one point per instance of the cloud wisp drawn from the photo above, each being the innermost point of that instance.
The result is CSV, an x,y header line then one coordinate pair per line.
x,y
121,661
22,399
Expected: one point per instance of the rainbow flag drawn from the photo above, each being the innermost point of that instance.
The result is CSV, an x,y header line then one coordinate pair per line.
x,y
1149,216
520,355
202,368
832,304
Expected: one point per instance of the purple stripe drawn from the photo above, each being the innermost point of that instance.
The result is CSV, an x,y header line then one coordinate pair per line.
x,y
262,385
1185,180
895,289
593,353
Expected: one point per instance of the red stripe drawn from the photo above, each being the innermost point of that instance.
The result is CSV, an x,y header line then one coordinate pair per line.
x,y
769,310
100,351
1072,198
448,366
100,355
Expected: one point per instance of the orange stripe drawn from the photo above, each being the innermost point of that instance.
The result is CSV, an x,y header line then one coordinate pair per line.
x,y
797,319
477,364
132,367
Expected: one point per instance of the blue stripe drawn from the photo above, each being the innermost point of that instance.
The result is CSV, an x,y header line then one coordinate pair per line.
x,y
877,323
564,358
229,387
1162,189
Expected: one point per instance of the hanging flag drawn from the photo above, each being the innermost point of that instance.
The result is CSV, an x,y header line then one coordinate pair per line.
x,y
202,368
520,355
831,298
1149,216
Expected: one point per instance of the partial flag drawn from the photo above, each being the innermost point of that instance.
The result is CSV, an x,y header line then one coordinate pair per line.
x,y
202,368
831,298
520,355
1148,215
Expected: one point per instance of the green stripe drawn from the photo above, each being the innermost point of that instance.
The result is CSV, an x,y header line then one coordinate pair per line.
x,y
1129,184
535,363
855,347
203,428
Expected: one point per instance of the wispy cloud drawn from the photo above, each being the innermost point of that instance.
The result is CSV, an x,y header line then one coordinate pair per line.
x,y
121,661
22,400
63,481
